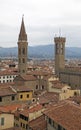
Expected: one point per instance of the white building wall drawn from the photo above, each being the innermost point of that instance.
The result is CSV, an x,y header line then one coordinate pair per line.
x,y
7,78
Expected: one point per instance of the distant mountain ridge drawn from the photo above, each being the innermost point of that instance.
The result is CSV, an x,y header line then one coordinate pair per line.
x,y
41,51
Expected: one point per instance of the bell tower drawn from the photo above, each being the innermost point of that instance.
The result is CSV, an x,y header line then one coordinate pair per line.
x,y
22,49
59,54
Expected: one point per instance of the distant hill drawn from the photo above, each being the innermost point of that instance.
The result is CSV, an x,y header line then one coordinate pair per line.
x,y
42,51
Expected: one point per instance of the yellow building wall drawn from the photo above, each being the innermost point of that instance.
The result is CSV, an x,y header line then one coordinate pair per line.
x,y
31,116
68,93
24,96
57,90
8,121
35,114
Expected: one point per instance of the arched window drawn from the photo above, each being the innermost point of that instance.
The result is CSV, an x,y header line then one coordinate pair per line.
x,y
23,60
36,86
19,60
42,87
23,71
19,51
23,51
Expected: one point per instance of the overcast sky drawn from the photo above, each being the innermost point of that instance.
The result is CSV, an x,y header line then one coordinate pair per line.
x,y
43,20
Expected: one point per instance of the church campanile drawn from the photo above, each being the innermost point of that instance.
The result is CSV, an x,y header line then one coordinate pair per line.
x,y
59,54
22,49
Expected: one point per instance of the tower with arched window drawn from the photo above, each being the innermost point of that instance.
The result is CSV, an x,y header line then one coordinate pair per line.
x,y
22,49
59,54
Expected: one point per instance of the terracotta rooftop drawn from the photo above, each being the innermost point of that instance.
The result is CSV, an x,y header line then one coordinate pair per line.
x,y
57,84
28,77
39,72
26,111
22,88
38,123
48,97
66,114
11,108
13,128
6,91
76,99
7,72
6,84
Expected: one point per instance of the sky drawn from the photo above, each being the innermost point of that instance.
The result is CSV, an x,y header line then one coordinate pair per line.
x,y
44,19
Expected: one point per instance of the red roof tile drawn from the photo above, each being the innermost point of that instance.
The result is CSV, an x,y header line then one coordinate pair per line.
x,y
66,114
28,77
48,97
6,91
22,88
38,123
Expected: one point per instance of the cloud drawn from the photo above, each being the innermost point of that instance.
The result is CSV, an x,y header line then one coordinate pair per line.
x,y
43,18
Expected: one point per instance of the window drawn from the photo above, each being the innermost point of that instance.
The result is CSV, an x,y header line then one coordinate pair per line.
x,y
23,71
21,96
13,98
23,117
21,124
57,49
7,81
19,60
2,121
64,129
42,86
3,81
61,51
0,99
27,95
3,77
26,126
36,86
23,60
23,51
49,121
19,51
75,93
59,127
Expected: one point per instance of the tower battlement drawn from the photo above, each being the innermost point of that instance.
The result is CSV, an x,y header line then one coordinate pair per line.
x,y
59,40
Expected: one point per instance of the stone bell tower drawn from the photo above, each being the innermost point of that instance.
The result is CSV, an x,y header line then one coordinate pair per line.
x,y
22,49
59,54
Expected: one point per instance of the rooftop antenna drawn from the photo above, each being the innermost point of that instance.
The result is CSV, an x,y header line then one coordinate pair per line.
x,y
55,35
23,15
59,32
